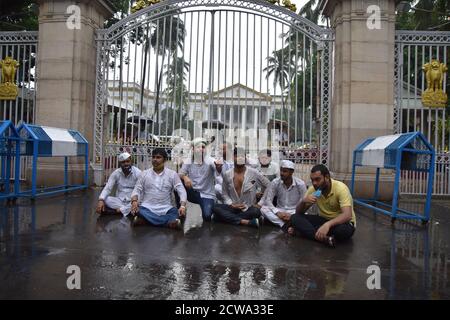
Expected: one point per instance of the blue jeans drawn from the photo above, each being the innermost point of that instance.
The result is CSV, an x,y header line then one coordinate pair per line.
x,y
157,220
205,204
193,196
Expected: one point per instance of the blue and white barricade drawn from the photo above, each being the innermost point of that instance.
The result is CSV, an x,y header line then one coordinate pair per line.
x,y
9,159
407,151
42,141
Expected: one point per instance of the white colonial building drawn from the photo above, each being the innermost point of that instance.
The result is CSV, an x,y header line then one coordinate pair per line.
x,y
236,106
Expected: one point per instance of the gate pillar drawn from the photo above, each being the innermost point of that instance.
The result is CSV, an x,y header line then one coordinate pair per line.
x,y
66,72
363,93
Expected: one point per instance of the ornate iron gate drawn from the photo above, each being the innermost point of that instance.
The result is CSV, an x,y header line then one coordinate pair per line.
x,y
22,48
413,49
177,67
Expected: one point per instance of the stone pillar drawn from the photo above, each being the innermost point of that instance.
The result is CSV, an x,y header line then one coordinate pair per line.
x,y
66,67
363,96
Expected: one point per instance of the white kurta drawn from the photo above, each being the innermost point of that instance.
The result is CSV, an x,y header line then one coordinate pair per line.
x,y
287,199
125,185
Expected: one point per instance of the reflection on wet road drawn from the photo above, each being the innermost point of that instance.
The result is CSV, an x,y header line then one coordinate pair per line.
x,y
212,261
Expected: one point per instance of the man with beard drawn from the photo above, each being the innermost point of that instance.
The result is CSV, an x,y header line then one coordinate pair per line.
x,y
288,190
336,220
153,190
239,193
124,178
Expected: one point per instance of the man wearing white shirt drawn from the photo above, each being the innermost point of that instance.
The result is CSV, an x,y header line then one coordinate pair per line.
x,y
153,190
124,178
288,190
198,174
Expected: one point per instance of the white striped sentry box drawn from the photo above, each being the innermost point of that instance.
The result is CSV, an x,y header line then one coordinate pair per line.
x,y
373,154
63,143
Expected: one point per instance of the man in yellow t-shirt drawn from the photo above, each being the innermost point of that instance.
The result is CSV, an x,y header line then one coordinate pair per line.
x,y
336,219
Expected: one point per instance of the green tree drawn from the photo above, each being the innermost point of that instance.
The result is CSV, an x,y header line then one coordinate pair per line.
x,y
280,66
166,36
176,75
310,11
430,15
176,94
166,39
18,15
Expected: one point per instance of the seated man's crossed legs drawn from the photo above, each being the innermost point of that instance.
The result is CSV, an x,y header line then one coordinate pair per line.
x,y
114,205
228,214
307,226
146,216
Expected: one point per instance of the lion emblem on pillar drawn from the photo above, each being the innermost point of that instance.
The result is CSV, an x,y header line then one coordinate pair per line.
x,y
434,95
8,87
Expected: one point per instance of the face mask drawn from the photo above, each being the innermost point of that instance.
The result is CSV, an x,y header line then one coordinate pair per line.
x,y
126,169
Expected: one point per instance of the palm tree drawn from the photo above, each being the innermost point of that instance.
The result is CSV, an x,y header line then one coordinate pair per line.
x,y
294,39
167,36
175,80
286,64
176,92
279,64
310,11
164,35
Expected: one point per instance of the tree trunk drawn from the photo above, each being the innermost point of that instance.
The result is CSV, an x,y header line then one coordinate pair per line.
x,y
158,90
147,46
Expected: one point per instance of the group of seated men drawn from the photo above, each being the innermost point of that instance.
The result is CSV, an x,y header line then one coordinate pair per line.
x,y
234,192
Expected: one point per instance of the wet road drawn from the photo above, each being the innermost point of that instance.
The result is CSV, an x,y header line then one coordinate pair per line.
x,y
212,261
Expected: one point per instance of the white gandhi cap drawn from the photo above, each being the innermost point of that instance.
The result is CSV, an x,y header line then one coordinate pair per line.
x,y
287,164
124,156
